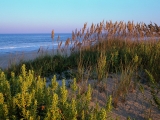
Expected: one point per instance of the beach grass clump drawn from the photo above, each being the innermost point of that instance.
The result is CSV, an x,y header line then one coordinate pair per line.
x,y
101,65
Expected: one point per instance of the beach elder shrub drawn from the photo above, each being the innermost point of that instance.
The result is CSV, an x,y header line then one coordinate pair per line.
x,y
27,96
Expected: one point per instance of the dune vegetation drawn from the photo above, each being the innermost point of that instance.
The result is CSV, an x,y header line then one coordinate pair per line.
x,y
129,51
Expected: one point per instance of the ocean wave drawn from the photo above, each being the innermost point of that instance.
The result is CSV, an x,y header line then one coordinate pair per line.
x,y
27,48
10,43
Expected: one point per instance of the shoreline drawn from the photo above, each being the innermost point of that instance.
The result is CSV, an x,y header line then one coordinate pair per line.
x,y
6,60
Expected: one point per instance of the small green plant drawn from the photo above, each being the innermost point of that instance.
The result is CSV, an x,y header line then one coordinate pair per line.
x,y
109,104
74,85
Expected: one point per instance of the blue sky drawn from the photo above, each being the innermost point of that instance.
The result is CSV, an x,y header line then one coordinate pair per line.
x,y
41,16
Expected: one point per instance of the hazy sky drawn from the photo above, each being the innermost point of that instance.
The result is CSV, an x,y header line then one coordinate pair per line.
x,y
41,16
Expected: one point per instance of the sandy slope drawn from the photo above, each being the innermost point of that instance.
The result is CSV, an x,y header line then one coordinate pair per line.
x,y
136,106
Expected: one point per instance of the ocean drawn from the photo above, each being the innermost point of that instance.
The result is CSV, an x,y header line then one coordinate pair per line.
x,y
13,43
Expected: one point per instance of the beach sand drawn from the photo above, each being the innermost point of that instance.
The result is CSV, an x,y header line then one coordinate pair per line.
x,y
6,60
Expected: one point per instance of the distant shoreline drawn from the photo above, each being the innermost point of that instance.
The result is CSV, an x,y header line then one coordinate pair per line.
x,y
6,60
14,58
